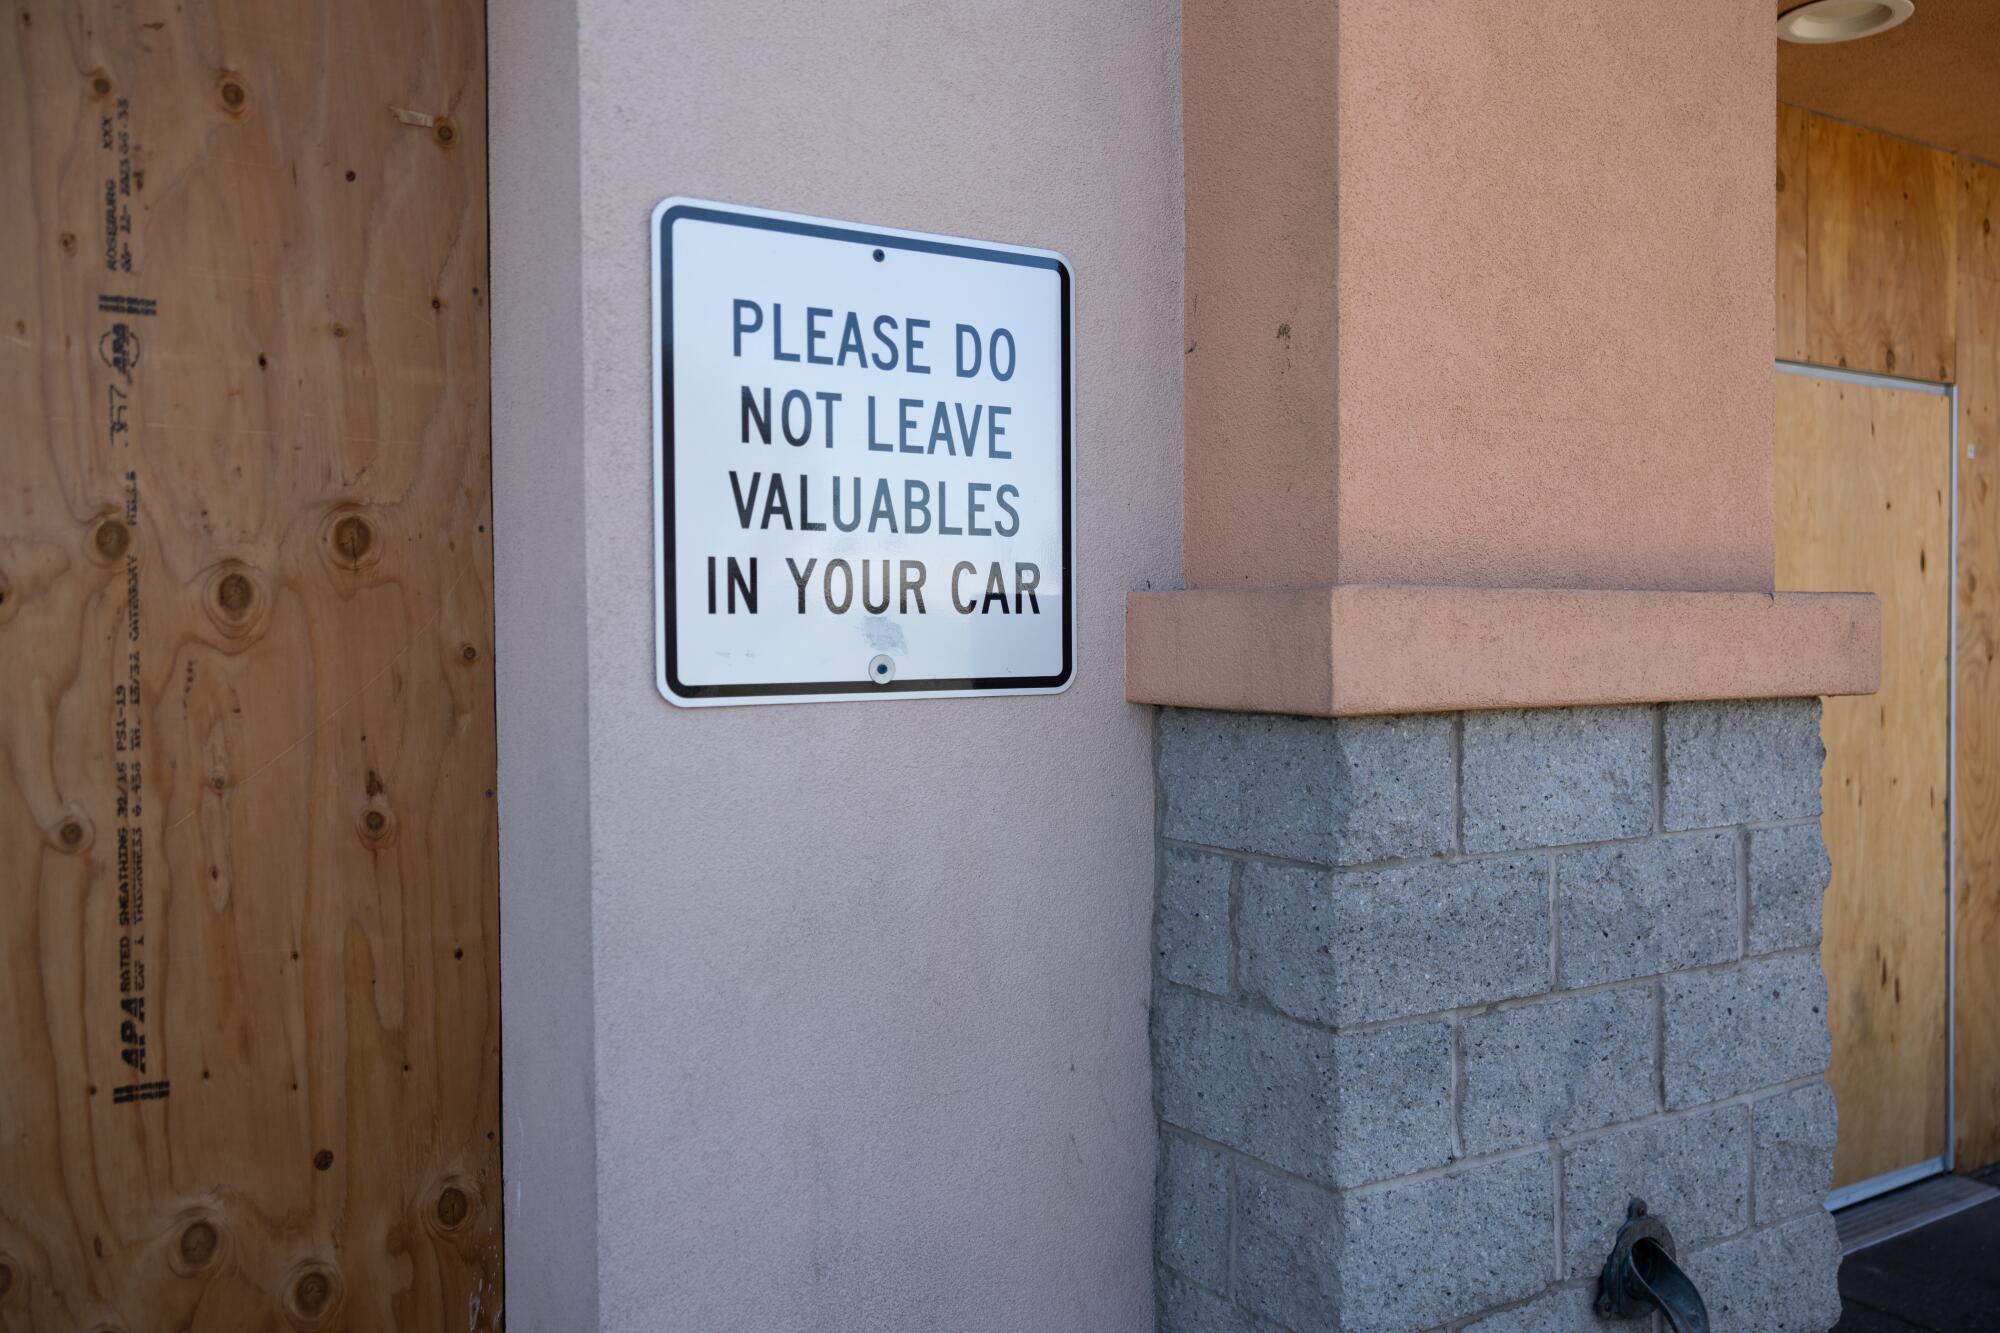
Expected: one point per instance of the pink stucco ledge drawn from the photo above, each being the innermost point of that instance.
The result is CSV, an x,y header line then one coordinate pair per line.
x,y
1350,650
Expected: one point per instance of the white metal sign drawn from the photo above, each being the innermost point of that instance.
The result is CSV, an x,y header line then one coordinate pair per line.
x,y
861,461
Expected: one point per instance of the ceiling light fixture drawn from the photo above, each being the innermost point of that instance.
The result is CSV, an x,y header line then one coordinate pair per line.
x,y
1825,21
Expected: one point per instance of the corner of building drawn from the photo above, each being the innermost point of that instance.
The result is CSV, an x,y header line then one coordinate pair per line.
x,y
548,1032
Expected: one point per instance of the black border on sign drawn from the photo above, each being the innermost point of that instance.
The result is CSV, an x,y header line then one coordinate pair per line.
x,y
664,318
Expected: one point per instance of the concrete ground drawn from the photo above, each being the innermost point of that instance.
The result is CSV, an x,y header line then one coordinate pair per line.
x,y
1942,1278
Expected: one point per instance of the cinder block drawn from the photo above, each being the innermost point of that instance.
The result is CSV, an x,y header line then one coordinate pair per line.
x,y
1741,761
1343,1109
1361,946
1392,1113
1546,776
1794,1150
1641,908
1789,870
1557,1067
1259,1083
1566,1309
1186,1308
1693,1173
1744,1028
1419,1253
1191,1211
1331,791
1287,1251
1779,1280
1191,931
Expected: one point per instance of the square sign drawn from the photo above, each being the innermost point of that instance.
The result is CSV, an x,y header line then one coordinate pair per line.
x,y
861,461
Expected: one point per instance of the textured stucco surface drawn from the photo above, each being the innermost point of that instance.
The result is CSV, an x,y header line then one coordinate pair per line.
x,y
1351,650
1258,101
871,979
546,1005
1498,313
1555,309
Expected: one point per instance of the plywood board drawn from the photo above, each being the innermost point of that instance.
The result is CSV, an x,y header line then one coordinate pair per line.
x,y
1977,795
248,966
1885,270
1978,226
1882,220
1794,185
1864,495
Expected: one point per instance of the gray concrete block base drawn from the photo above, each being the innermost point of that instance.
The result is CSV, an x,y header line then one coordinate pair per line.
x,y
1435,997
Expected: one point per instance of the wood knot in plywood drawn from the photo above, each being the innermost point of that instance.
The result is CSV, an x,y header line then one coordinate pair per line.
x,y
110,539
236,601
229,90
233,594
454,1207
196,1248
69,832
377,824
351,539
312,1294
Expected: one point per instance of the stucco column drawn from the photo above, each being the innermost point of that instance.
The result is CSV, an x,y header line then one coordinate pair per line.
x,y
831,1015
1478,403
1478,357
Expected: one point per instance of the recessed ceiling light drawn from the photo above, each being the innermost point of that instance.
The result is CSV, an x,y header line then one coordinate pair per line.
x,y
1825,21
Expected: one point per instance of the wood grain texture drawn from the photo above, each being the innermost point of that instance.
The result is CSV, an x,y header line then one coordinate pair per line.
x,y
1978,225
1864,503
1794,186
248,963
1882,217
1976,807
1876,259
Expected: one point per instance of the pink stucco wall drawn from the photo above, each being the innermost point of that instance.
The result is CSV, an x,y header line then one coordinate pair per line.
x,y
1258,83
1549,319
867,982
1555,304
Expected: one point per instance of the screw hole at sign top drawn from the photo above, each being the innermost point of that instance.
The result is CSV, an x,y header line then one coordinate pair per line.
x,y
878,256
